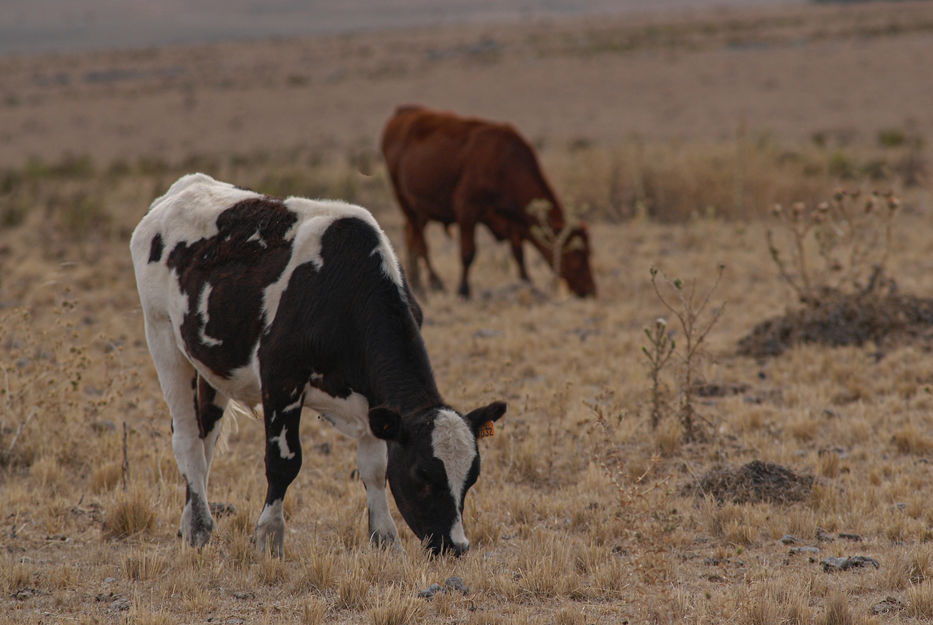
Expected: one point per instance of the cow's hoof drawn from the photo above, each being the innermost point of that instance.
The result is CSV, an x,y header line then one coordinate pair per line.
x,y
385,541
436,284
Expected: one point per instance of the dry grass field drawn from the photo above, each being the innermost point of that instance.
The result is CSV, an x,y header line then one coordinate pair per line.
x,y
673,136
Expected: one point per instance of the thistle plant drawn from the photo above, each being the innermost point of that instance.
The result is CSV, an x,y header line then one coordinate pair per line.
x,y
662,347
689,308
852,237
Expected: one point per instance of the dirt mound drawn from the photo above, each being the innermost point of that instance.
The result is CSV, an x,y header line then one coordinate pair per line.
x,y
844,319
754,482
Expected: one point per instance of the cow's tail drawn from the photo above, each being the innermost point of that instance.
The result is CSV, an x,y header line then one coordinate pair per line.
x,y
230,425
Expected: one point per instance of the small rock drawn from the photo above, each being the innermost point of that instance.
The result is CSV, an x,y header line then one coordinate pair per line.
x,y
220,509
853,537
804,550
108,580
120,604
787,539
102,427
486,333
900,506
455,583
24,593
841,564
248,594
888,606
234,620
823,536
430,591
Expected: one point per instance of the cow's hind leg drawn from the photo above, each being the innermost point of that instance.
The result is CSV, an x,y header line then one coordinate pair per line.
x,y
179,383
211,405
417,247
371,457
515,241
283,460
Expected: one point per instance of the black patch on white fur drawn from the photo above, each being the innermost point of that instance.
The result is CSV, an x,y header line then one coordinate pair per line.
x,y
155,249
238,269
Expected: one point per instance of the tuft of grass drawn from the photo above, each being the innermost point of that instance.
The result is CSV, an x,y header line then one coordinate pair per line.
x,y
394,606
143,565
314,611
130,514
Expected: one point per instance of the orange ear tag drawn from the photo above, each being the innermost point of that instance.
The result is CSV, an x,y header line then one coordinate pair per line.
x,y
486,430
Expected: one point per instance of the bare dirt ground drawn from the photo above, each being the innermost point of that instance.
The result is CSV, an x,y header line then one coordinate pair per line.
x,y
583,513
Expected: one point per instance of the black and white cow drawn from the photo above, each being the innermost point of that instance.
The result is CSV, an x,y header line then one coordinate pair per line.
x,y
289,304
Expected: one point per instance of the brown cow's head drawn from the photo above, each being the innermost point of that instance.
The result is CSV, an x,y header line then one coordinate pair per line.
x,y
575,263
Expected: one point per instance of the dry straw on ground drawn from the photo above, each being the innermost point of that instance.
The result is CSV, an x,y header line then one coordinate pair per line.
x,y
583,512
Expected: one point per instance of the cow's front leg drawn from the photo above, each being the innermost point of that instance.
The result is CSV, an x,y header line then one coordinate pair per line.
x,y
371,458
283,460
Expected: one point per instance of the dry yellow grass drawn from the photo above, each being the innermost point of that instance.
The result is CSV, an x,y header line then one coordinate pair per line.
x,y
572,521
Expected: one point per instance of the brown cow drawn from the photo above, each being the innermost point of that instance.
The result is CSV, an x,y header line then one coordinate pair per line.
x,y
450,169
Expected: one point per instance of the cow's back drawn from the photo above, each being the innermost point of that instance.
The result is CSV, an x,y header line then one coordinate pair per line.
x,y
216,262
431,155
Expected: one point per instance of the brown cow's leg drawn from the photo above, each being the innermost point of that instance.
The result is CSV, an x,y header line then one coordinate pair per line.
x,y
418,247
467,253
412,237
519,255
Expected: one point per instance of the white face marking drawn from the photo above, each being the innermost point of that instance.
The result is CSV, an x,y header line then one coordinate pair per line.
x,y
455,446
284,451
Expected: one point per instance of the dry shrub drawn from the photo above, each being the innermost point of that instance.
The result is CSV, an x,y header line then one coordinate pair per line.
x,y
313,611
394,606
754,482
143,565
545,568
353,591
132,512
15,574
920,601
911,440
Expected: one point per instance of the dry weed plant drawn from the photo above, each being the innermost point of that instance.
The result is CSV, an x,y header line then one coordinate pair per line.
x,y
688,308
851,236
662,347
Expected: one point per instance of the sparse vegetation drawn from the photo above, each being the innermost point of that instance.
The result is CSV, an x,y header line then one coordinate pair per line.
x,y
584,513
689,308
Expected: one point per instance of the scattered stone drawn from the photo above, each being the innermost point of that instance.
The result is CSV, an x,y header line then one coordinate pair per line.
x,y
823,536
108,580
853,537
725,389
102,427
890,605
455,583
24,593
120,604
248,594
235,620
787,539
842,564
486,333
804,550
220,509
430,591
754,482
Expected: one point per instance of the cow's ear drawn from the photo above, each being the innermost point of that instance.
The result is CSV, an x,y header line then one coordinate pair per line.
x,y
481,419
385,424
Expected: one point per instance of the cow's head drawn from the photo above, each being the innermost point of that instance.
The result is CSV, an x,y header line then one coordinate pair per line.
x,y
575,262
433,462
